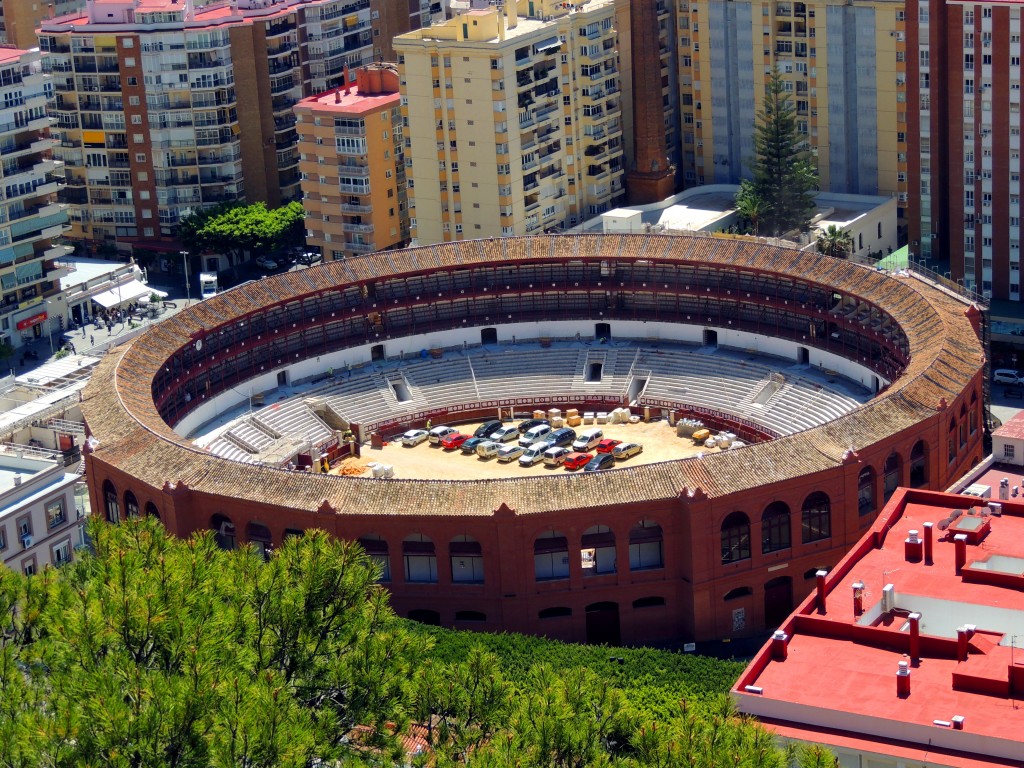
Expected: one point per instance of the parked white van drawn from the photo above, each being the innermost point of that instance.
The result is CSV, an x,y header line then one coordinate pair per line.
x,y
488,449
1006,376
534,434
588,439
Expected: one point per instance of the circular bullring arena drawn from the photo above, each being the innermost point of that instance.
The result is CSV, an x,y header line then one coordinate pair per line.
x,y
843,383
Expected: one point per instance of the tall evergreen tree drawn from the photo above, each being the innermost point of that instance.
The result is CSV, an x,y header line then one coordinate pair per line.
x,y
784,179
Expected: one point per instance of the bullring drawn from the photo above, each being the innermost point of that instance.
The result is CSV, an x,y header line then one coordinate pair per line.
x,y
701,548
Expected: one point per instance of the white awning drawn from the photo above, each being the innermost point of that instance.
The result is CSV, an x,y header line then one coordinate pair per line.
x,y
547,45
124,293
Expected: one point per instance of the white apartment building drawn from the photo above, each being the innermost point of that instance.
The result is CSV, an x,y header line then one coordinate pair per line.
x,y
513,120
29,213
39,522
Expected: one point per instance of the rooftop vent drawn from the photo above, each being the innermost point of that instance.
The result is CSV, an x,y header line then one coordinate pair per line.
x,y
17,479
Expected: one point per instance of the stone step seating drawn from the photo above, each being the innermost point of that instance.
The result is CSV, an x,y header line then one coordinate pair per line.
x,y
294,419
226,449
250,436
357,398
703,380
536,373
445,381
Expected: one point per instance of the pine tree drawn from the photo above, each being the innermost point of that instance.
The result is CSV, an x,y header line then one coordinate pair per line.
x,y
784,180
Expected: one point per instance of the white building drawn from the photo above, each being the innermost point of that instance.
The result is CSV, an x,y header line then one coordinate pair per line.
x,y
40,524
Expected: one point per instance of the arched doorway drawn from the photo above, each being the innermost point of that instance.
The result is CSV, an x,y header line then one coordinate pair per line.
x,y
223,531
131,505
112,506
891,475
778,601
603,624
259,536
151,510
425,616
919,464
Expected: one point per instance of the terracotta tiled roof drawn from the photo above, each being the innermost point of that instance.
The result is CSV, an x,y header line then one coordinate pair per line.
x,y
944,356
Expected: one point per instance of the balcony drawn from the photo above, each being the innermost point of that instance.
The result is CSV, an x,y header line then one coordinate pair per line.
x,y
360,247
358,227
353,208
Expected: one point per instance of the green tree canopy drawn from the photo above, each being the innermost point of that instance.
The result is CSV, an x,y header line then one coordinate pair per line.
x,y
162,653
781,192
234,228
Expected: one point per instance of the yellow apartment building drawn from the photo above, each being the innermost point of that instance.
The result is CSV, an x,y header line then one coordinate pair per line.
x,y
513,119
844,65
351,162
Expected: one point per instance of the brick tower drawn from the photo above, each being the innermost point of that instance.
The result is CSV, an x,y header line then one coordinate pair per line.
x,y
651,177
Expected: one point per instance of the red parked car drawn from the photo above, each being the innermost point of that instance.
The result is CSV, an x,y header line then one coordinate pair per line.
x,y
607,445
577,460
451,442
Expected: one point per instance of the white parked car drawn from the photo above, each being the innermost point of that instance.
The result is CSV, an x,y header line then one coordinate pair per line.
x,y
437,434
414,437
1006,376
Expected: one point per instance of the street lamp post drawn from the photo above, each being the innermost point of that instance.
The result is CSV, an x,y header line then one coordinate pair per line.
x,y
188,288
49,328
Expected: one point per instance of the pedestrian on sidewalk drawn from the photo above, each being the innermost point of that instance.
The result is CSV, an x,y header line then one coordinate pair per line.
x,y
92,341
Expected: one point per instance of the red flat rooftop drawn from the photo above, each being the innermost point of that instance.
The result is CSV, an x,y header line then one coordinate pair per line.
x,y
832,678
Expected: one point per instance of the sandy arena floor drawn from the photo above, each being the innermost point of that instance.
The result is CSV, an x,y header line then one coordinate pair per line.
x,y
431,462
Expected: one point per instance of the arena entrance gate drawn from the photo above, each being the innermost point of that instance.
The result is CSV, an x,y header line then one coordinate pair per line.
x,y
603,624
602,331
488,335
778,601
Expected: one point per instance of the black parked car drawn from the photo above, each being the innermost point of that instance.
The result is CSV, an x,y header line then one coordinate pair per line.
x,y
485,429
529,424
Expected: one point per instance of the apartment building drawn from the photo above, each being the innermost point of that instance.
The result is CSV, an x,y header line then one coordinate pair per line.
x,y
39,522
164,107
965,111
30,216
844,65
351,153
19,19
514,120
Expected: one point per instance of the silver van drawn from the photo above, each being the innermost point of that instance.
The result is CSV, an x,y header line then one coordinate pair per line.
x,y
588,439
534,434
488,449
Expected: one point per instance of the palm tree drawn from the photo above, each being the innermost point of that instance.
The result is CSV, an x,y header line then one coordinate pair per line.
x,y
750,205
834,241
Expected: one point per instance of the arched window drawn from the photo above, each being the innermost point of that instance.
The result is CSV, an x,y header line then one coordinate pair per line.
x,y
223,531
258,535
951,440
816,518
420,560
131,505
735,538
649,602
551,556
963,426
775,527
891,474
425,616
597,550
377,550
919,464
557,612
645,546
973,416
739,592
866,491
111,506
466,560
151,510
